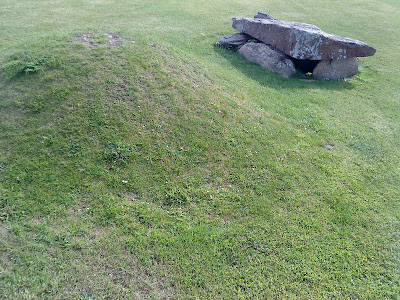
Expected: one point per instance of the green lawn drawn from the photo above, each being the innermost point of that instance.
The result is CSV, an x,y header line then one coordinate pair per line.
x,y
164,167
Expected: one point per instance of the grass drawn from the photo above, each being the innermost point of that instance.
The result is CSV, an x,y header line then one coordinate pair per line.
x,y
163,167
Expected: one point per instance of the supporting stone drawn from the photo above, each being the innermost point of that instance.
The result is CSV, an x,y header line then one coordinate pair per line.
x,y
269,58
336,69
234,40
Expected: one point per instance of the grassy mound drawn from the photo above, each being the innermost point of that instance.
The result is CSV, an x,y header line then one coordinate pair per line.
x,y
134,165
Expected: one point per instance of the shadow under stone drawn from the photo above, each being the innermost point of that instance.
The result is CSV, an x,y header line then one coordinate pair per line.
x,y
267,78
305,65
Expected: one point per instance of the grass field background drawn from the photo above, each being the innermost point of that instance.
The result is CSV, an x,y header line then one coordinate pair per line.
x,y
164,167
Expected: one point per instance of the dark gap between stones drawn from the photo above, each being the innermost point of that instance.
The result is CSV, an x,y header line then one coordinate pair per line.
x,y
305,65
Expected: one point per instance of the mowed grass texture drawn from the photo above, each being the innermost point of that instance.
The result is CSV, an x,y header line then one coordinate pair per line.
x,y
157,166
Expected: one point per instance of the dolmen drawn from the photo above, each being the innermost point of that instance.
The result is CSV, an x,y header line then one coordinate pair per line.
x,y
285,47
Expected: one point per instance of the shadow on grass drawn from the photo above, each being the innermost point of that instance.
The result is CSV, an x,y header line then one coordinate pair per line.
x,y
269,79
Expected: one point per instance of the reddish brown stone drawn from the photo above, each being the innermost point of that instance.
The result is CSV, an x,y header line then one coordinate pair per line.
x,y
302,41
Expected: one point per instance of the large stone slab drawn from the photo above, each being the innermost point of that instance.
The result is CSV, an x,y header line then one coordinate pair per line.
x,y
302,41
336,69
234,40
269,58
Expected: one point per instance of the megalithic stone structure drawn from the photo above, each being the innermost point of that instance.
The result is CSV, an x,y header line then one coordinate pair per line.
x,y
302,41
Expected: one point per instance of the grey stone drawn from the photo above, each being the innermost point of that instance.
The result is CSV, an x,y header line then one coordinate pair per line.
x,y
302,41
234,40
261,15
336,69
269,58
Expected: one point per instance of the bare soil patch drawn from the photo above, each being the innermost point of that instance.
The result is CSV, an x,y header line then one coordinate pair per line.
x,y
329,146
100,39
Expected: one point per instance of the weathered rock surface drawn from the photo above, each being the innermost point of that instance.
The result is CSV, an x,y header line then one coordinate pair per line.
x,y
234,40
269,58
336,69
302,41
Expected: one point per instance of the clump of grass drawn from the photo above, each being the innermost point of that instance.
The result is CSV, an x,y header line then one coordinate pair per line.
x,y
118,153
25,64
176,196
100,38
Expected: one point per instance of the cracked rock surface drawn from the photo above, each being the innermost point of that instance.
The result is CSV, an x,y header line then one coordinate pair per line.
x,y
302,41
